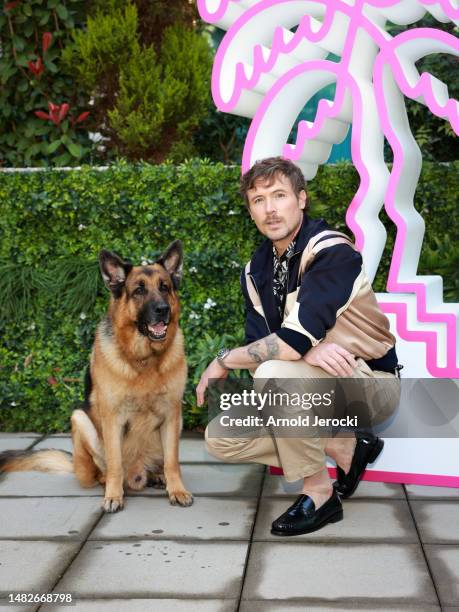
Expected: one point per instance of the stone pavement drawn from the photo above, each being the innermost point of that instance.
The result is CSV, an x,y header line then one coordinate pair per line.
x,y
397,548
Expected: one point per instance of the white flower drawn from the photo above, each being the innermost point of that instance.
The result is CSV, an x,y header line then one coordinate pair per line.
x,y
81,227
234,264
192,269
193,315
95,136
232,212
31,327
209,304
91,101
13,404
144,262
83,316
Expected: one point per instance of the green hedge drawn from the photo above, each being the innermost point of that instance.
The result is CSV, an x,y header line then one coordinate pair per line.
x,y
53,224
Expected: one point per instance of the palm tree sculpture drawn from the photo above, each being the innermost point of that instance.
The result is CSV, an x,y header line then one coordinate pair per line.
x,y
265,71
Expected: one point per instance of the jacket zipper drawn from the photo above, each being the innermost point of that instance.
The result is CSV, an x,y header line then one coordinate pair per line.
x,y
258,293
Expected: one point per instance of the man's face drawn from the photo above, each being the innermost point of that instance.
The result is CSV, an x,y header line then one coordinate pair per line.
x,y
276,209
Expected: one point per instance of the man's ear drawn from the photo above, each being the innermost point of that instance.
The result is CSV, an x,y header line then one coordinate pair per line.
x,y
172,261
114,271
302,198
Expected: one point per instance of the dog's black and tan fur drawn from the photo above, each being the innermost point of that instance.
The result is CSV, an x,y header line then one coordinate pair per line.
x,y
128,431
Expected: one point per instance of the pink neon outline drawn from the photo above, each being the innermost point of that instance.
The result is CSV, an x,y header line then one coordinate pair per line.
x,y
427,480
305,133
260,66
213,17
422,87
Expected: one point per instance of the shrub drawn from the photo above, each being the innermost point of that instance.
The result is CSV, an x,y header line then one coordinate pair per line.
x,y
53,224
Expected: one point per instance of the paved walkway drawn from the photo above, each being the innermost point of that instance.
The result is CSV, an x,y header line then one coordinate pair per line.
x,y
397,548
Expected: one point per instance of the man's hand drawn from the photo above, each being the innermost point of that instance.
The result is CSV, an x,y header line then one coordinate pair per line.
x,y
213,370
332,358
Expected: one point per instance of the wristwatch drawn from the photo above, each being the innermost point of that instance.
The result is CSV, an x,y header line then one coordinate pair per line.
x,y
222,353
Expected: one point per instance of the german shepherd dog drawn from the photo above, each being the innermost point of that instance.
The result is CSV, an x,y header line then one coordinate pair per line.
x,y
127,432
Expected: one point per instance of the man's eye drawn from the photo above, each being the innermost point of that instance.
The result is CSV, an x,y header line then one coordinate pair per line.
x,y
258,201
140,291
280,195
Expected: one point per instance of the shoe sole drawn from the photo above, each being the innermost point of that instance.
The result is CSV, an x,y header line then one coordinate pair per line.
x,y
371,459
335,518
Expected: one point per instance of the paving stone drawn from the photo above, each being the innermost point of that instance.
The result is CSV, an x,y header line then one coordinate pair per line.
x,y
39,484
17,608
45,517
277,486
231,480
12,442
33,566
193,450
148,605
195,569
207,518
376,520
418,492
218,479
364,574
444,563
305,605
438,521
59,442
23,434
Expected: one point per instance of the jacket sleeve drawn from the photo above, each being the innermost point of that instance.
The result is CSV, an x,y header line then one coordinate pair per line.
x,y
327,287
255,324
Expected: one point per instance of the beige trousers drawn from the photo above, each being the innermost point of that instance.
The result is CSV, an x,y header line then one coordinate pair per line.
x,y
303,456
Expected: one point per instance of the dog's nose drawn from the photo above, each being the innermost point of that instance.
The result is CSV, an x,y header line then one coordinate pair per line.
x,y
161,310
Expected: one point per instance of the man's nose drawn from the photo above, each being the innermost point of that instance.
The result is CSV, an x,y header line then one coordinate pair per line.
x,y
270,205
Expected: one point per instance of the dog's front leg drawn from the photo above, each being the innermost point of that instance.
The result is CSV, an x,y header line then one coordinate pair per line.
x,y
111,429
170,434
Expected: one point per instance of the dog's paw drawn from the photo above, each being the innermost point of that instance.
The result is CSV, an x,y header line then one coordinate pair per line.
x,y
181,497
158,481
113,504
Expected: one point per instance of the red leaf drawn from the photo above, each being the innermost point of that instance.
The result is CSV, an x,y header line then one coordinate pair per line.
x,y
46,41
53,107
42,115
11,5
63,110
52,381
83,116
36,67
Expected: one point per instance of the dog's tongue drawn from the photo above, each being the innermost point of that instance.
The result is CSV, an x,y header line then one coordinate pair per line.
x,y
157,328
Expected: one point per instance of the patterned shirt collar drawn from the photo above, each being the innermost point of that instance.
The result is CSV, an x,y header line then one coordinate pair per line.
x,y
280,273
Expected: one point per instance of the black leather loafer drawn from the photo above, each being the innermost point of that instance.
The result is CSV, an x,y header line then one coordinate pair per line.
x,y
302,516
367,450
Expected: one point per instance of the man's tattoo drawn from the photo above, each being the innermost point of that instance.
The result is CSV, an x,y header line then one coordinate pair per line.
x,y
264,350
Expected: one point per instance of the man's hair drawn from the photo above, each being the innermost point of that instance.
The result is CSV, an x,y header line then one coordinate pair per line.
x,y
267,170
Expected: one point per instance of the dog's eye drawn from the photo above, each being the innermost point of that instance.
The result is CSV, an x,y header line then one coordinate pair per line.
x,y
140,290
163,287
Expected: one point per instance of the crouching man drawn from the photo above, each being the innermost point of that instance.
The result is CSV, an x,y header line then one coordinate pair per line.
x,y
310,314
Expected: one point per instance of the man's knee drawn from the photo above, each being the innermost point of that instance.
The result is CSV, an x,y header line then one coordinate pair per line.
x,y
269,369
225,449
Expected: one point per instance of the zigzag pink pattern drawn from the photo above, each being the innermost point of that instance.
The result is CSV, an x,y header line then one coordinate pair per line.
x,y
345,83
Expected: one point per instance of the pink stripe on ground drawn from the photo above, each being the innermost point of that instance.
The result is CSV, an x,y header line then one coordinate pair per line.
x,y
428,480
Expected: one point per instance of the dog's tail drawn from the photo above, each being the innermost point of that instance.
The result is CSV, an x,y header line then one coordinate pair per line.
x,y
36,460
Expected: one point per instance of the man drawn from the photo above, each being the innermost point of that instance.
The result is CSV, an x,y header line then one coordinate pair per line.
x,y
310,313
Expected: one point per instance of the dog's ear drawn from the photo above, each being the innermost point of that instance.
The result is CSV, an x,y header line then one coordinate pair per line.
x,y
172,261
114,271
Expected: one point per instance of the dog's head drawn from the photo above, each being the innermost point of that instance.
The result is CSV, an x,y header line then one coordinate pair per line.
x,y
146,296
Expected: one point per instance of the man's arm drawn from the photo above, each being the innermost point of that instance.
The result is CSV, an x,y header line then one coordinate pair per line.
x,y
246,357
